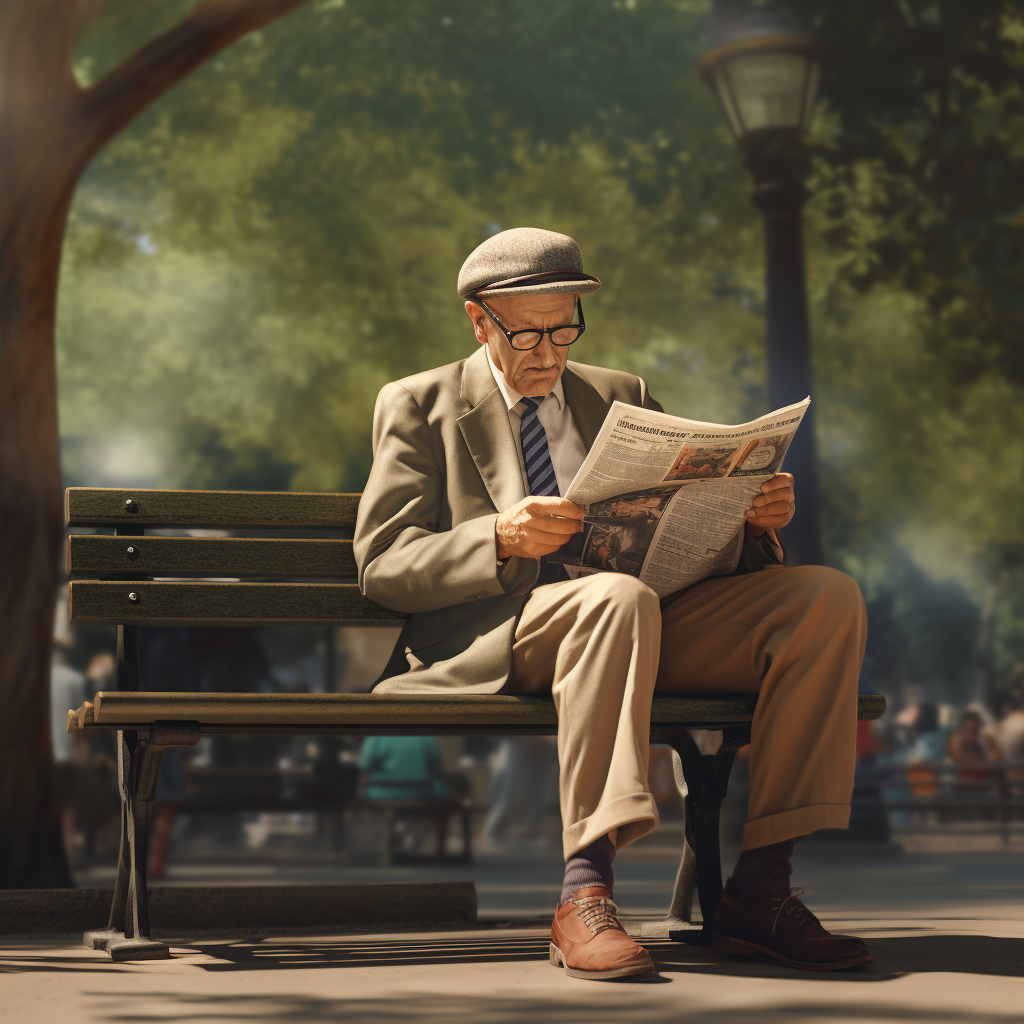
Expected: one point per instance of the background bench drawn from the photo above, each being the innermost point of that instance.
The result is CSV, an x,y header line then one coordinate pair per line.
x,y
127,585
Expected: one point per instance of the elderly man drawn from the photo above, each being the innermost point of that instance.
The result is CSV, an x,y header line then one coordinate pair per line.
x,y
461,507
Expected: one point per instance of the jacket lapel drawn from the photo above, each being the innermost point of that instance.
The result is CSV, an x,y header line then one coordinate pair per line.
x,y
488,435
585,403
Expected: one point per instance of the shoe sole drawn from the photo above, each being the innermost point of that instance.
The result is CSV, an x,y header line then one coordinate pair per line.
x,y
557,959
740,947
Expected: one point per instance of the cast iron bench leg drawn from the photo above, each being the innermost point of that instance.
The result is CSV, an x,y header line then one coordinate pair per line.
x,y
101,938
705,779
139,772
680,912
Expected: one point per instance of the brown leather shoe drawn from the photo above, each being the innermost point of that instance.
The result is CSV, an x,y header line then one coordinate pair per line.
x,y
588,941
785,929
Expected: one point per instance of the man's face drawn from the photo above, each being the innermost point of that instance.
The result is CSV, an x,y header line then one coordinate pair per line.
x,y
533,373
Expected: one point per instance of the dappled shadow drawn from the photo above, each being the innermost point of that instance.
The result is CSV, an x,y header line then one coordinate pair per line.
x,y
893,958
282,1008
28,963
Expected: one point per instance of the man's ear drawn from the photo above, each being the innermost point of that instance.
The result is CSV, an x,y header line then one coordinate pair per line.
x,y
476,314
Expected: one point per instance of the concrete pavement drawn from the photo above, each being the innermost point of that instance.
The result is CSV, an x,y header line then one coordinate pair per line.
x,y
949,967
946,930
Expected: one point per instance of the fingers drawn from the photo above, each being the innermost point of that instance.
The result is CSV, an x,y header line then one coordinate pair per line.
x,y
534,543
560,507
552,524
777,482
772,508
537,526
527,549
775,515
770,522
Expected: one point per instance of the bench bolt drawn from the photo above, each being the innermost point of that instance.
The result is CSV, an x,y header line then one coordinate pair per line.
x,y
131,506
133,596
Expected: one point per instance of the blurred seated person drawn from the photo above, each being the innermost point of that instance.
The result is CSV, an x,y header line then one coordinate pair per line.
x,y
100,674
1009,729
927,750
403,768
970,746
67,690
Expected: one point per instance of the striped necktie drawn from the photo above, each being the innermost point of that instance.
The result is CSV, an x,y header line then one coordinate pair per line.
x,y
539,471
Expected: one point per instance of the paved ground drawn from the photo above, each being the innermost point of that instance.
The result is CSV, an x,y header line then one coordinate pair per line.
x,y
945,925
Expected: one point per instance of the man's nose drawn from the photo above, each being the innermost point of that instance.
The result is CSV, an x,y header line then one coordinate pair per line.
x,y
544,354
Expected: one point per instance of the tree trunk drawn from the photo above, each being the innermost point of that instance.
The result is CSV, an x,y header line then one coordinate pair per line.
x,y
49,130
35,189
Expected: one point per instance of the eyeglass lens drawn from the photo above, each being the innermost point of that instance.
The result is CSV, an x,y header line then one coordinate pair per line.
x,y
560,336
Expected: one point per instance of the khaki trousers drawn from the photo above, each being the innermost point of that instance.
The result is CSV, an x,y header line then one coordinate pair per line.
x,y
603,644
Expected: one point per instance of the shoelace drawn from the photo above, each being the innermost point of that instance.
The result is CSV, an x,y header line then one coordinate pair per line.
x,y
793,908
598,913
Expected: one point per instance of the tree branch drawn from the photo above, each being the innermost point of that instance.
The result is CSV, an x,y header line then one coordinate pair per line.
x,y
211,26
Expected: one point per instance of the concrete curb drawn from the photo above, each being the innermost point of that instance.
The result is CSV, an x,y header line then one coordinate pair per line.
x,y
181,910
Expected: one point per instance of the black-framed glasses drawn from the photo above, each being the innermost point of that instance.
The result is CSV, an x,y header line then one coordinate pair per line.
x,y
524,340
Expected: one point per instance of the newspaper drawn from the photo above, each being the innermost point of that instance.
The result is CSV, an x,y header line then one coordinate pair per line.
x,y
666,498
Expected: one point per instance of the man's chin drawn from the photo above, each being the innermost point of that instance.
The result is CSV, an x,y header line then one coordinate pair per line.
x,y
537,386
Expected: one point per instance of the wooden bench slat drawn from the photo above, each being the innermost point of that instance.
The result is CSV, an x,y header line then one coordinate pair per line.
x,y
367,711
106,506
224,604
208,556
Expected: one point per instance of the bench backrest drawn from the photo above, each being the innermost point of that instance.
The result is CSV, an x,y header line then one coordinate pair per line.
x,y
143,580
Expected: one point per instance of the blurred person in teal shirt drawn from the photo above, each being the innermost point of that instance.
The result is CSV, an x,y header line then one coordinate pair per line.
x,y
403,768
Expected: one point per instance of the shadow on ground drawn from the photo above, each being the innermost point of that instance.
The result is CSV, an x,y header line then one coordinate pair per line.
x,y
432,1009
893,957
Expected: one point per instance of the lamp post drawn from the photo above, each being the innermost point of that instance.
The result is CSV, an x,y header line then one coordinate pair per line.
x,y
764,70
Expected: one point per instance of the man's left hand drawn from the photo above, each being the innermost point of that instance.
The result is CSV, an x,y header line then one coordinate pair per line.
x,y
773,508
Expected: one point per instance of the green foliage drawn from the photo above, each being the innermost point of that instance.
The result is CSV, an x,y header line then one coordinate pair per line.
x,y
280,236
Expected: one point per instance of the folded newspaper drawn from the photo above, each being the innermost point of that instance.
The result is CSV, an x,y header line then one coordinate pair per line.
x,y
666,498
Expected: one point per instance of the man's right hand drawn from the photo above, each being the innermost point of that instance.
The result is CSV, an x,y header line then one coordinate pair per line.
x,y
537,526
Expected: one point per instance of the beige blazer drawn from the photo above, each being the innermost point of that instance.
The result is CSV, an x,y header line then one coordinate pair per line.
x,y
445,464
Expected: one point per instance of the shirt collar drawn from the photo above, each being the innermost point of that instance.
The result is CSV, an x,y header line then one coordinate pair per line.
x,y
511,396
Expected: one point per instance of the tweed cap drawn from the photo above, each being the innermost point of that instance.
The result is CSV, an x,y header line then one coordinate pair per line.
x,y
525,261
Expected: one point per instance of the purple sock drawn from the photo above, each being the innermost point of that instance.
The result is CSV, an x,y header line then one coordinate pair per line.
x,y
590,866
762,872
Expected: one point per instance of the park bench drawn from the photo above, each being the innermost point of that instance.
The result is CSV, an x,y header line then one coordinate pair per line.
x,y
132,579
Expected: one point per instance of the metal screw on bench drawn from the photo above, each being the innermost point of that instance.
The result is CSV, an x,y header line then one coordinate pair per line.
x,y
131,506
133,596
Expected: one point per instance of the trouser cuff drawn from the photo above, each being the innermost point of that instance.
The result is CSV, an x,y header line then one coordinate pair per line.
x,y
774,828
624,820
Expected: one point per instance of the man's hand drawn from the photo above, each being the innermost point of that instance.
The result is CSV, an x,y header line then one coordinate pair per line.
x,y
773,508
537,526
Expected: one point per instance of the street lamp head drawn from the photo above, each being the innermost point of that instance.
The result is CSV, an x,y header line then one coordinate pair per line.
x,y
764,69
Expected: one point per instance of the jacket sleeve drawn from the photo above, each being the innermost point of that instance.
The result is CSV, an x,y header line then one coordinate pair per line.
x,y
405,561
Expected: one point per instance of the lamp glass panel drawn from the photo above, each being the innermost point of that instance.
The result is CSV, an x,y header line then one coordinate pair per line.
x,y
724,92
768,89
810,91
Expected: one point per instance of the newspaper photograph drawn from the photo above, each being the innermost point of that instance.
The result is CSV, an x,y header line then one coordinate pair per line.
x,y
666,498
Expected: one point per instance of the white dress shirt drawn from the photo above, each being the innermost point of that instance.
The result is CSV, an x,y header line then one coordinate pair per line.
x,y
565,446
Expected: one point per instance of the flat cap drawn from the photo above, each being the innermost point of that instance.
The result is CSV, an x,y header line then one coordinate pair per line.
x,y
525,261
